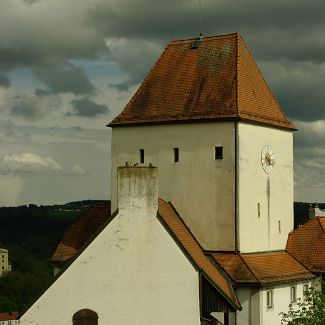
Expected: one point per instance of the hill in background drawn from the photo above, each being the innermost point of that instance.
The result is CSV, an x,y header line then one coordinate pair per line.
x,y
31,233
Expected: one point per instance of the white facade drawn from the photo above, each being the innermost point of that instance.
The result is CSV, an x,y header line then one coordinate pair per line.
x,y
265,201
201,188
132,273
254,303
5,265
207,192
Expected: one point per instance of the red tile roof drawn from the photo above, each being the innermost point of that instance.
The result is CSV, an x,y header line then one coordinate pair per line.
x,y
307,244
188,243
262,268
9,316
217,80
80,231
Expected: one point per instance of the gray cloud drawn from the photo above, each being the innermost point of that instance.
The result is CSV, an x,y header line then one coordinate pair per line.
x,y
33,107
87,108
60,79
4,81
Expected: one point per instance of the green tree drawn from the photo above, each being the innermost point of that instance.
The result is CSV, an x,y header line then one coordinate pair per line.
x,y
309,310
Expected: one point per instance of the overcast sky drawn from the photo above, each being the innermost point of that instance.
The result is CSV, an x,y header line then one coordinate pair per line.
x,y
67,67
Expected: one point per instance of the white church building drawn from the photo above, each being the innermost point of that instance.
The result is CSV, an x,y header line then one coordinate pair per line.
x,y
202,195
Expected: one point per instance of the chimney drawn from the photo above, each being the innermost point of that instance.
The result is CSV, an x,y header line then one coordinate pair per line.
x,y
137,187
315,211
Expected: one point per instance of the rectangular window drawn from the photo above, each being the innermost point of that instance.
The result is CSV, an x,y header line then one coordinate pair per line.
x,y
141,153
176,155
269,299
279,226
293,294
218,153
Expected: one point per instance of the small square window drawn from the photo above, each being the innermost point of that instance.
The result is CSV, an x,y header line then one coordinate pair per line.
x,y
293,294
218,153
141,154
269,299
176,155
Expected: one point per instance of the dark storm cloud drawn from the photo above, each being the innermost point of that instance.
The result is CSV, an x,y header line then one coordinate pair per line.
x,y
279,29
87,108
4,81
299,88
62,79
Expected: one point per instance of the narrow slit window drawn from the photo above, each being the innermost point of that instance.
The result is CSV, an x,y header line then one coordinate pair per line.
x,y
218,153
293,294
269,299
176,155
279,225
259,210
141,153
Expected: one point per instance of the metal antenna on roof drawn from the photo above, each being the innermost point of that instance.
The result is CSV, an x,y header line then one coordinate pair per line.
x,y
201,36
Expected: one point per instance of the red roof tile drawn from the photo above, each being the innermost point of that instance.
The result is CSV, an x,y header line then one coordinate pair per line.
x,y
80,231
195,252
217,80
262,268
9,316
307,244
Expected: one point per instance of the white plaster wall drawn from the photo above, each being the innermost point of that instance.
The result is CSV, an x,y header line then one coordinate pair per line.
x,y
132,273
262,233
244,297
253,301
281,301
200,187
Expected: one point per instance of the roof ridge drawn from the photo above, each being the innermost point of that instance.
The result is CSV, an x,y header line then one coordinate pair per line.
x,y
259,70
205,38
253,273
318,219
183,222
237,82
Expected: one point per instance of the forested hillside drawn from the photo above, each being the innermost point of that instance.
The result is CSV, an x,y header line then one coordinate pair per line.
x,y
31,233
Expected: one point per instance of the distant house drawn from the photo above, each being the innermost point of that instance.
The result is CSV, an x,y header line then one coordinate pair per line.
x,y
5,265
78,233
10,318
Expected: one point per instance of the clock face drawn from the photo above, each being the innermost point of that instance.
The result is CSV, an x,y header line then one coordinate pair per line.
x,y
267,159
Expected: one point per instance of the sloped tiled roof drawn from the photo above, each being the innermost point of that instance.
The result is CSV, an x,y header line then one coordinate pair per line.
x,y
262,268
9,316
192,249
80,231
307,244
217,80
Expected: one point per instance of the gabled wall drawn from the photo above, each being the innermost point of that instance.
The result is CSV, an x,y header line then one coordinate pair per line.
x,y
201,188
132,273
